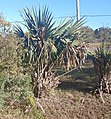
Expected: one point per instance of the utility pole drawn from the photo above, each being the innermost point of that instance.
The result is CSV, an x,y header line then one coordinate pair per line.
x,y
77,10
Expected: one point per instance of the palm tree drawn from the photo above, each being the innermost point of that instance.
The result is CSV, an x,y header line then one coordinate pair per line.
x,y
44,44
102,65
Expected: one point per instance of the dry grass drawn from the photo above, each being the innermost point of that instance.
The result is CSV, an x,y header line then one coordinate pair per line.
x,y
76,105
71,100
93,46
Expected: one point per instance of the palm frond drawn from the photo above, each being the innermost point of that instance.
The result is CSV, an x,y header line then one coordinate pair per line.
x,y
41,27
18,31
59,30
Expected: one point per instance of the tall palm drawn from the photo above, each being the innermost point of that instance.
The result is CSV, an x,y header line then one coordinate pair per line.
x,y
44,44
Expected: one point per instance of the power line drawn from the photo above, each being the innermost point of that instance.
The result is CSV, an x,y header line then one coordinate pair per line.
x,y
61,17
64,17
84,16
96,15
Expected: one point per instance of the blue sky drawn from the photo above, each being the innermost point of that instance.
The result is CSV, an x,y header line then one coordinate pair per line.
x,y
59,8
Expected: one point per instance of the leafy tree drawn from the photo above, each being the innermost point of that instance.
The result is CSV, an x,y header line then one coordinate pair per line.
x,y
87,34
103,34
4,26
7,48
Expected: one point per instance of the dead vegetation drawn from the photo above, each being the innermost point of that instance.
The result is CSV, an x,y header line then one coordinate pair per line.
x,y
102,65
73,99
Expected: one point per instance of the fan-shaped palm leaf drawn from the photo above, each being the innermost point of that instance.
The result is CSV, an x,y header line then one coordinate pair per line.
x,y
46,43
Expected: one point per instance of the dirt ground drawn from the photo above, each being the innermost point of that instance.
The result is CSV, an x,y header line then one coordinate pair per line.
x,y
77,105
73,99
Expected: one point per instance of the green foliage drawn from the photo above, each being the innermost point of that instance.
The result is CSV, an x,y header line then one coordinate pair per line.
x,y
43,30
14,85
102,64
43,45
104,53
15,89
19,88
4,26
87,34
3,95
33,111
8,56
103,33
